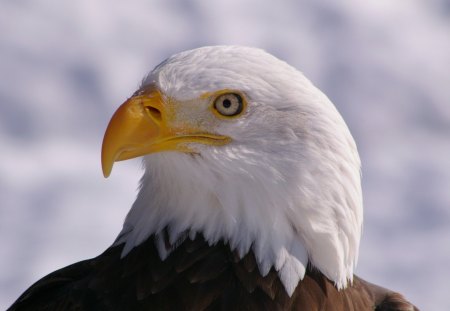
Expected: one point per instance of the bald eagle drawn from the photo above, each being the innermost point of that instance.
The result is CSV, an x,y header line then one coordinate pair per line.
x,y
250,200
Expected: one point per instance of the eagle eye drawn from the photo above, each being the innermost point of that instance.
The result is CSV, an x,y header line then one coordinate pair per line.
x,y
229,104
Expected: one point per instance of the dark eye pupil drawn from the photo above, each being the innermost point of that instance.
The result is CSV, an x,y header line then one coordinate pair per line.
x,y
226,103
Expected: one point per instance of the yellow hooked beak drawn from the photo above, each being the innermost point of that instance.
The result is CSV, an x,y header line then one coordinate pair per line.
x,y
142,125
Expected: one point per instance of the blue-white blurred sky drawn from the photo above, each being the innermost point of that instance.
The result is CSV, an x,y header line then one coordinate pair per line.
x,y
66,65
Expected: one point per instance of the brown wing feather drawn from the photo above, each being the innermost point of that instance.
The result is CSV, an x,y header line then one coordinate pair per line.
x,y
195,276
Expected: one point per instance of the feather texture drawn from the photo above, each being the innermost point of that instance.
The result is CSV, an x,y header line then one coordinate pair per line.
x,y
195,276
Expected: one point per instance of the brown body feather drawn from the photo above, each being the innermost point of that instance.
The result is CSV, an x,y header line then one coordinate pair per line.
x,y
195,276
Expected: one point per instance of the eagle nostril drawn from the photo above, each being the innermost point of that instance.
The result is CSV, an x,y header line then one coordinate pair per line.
x,y
154,113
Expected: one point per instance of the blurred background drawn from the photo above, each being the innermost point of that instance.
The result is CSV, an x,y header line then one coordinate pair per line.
x,y
65,66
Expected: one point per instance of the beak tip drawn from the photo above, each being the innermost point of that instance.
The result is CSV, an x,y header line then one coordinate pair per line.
x,y
106,166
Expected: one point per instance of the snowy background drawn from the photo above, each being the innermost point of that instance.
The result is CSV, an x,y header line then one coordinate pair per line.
x,y
65,66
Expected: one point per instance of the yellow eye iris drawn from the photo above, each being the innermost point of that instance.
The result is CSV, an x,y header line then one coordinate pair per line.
x,y
229,104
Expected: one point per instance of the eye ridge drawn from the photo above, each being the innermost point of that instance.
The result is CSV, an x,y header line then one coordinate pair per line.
x,y
229,105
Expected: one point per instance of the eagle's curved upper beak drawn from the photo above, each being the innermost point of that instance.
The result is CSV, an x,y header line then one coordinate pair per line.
x,y
145,124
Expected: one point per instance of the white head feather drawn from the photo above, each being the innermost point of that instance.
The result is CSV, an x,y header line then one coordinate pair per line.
x,y
287,186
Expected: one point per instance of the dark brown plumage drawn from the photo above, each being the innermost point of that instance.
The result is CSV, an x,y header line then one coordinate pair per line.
x,y
195,276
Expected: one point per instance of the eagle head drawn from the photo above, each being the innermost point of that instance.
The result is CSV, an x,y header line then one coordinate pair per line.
x,y
240,147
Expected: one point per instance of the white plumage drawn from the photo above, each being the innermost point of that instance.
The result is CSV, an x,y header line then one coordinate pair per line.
x,y
287,186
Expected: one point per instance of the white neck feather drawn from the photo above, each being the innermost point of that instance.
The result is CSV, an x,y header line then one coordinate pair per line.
x,y
288,214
